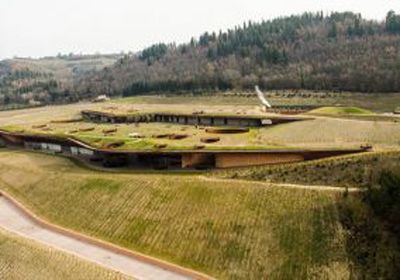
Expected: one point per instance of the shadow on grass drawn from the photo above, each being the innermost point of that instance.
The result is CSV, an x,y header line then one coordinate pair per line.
x,y
84,165
372,224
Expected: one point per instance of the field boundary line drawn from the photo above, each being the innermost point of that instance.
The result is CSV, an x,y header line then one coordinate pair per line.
x,y
103,244
283,185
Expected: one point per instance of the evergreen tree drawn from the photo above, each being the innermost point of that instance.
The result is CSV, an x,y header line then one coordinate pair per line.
x,y
392,24
333,31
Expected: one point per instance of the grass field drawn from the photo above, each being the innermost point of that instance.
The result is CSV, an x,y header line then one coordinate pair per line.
x,y
341,111
360,170
378,102
386,102
336,132
22,258
232,230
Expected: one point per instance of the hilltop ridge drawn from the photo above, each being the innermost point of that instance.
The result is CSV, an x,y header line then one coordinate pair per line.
x,y
312,51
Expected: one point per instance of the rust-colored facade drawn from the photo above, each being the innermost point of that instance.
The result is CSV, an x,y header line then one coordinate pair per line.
x,y
193,160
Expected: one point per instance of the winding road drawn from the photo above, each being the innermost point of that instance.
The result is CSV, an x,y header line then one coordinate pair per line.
x,y
16,220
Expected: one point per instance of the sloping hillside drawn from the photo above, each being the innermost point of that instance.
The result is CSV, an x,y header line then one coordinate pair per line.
x,y
25,81
341,51
338,52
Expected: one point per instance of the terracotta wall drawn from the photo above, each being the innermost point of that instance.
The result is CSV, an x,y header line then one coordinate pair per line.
x,y
198,159
15,140
225,160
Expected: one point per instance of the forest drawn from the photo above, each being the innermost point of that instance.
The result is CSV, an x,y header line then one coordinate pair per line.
x,y
26,82
312,51
337,52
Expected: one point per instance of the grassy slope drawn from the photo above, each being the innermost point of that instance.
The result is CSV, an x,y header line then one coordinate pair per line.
x,y
25,259
352,171
335,132
341,111
232,231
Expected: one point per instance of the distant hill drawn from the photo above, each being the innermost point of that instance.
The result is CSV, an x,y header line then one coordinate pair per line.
x,y
337,52
25,81
341,51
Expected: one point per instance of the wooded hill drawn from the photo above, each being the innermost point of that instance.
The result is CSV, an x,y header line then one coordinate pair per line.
x,y
29,82
337,52
341,51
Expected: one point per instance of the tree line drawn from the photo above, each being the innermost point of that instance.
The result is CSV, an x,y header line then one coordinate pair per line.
x,y
339,51
314,51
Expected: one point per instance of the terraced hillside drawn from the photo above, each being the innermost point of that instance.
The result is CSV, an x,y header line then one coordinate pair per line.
x,y
25,259
231,231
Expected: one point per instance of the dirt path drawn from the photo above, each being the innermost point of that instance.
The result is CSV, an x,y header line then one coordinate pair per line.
x,y
282,185
14,219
